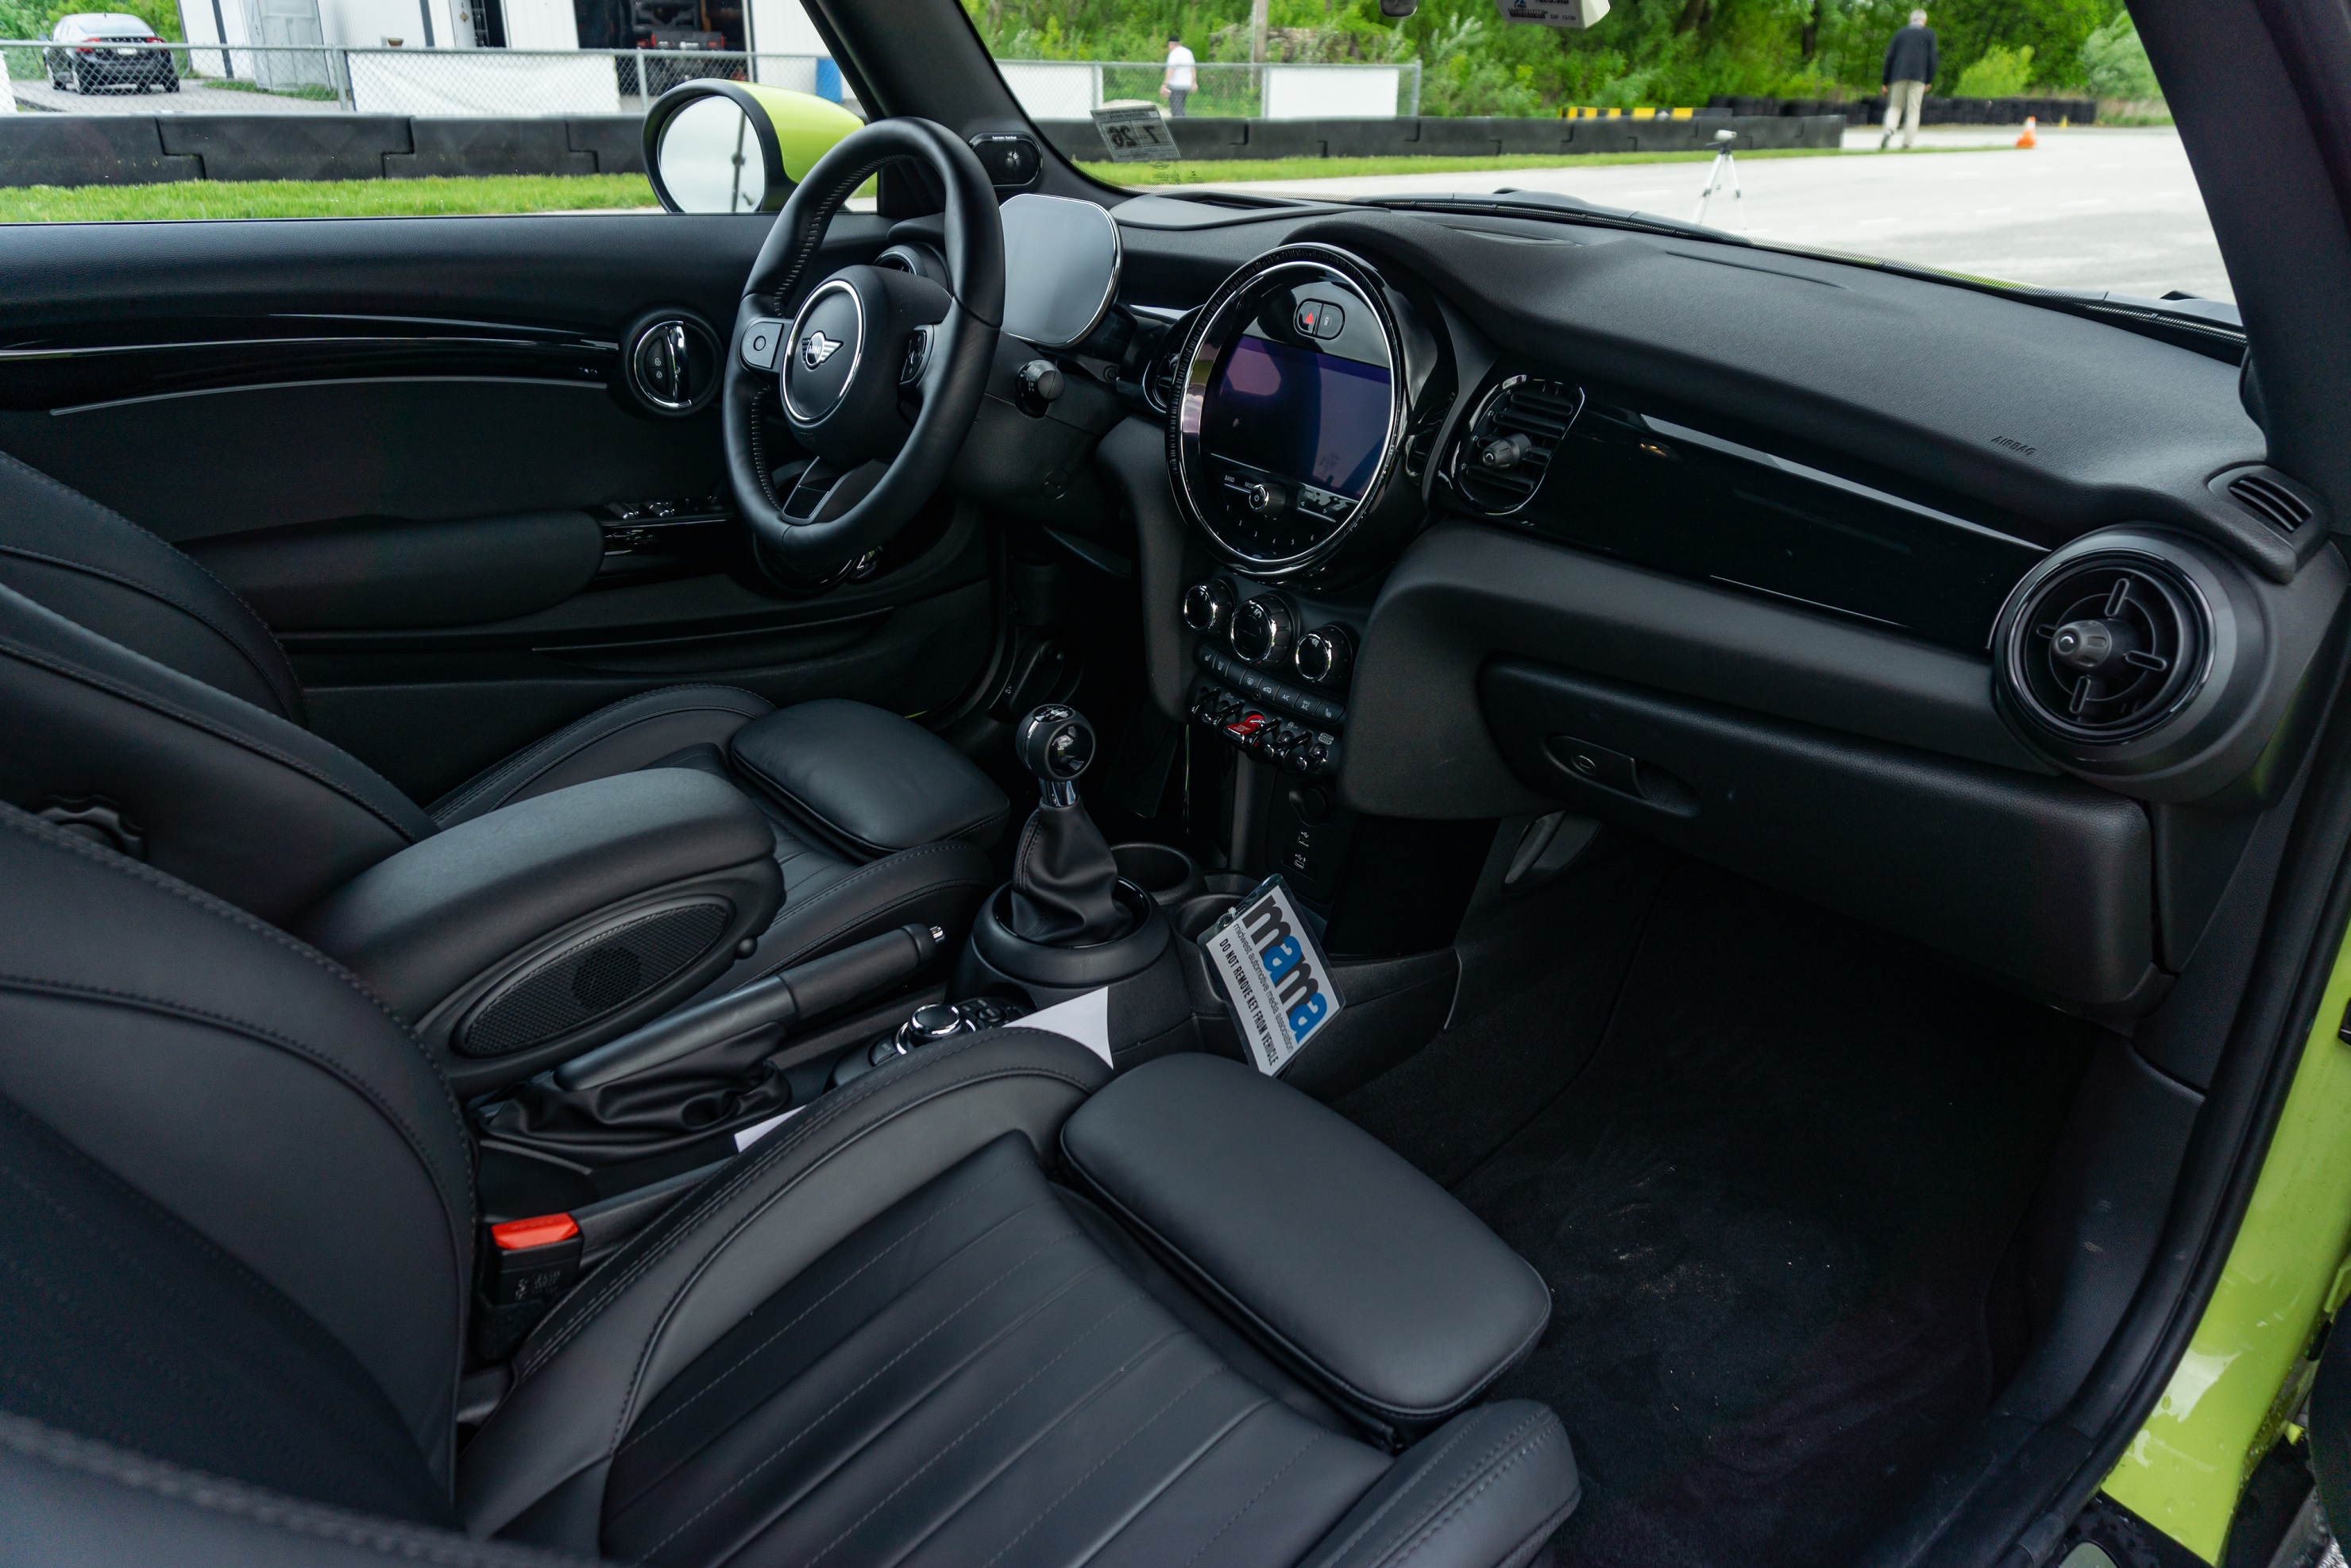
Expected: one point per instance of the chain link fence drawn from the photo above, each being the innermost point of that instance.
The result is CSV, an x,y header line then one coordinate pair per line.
x,y
101,77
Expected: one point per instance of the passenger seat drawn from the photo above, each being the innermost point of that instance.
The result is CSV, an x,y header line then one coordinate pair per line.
x,y
984,1306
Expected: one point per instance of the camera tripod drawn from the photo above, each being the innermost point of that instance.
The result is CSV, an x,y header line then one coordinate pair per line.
x,y
1723,168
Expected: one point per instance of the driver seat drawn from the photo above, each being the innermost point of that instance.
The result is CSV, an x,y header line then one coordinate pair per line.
x,y
152,710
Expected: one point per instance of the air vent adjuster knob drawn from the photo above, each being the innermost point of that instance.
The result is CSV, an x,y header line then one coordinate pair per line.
x,y
1506,452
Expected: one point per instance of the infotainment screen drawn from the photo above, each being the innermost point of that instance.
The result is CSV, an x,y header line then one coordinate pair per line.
x,y
1309,417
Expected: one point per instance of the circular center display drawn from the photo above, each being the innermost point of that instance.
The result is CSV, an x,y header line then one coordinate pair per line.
x,y
1289,413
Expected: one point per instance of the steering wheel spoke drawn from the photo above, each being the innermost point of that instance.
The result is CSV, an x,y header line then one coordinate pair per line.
x,y
877,372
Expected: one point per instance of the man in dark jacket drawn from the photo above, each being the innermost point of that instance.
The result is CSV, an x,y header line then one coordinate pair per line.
x,y
1909,66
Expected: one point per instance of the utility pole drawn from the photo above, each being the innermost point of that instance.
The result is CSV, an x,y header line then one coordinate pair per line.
x,y
1257,32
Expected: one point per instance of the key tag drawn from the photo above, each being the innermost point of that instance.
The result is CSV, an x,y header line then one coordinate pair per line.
x,y
1274,972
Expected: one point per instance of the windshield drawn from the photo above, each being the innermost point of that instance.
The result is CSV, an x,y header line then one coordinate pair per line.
x,y
2018,144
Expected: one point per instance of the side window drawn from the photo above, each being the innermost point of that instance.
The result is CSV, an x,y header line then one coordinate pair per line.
x,y
371,108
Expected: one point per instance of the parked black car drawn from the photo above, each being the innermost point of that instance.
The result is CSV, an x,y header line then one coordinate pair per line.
x,y
94,49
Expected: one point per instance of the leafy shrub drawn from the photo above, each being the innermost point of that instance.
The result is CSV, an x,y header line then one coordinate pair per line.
x,y
2000,73
2114,62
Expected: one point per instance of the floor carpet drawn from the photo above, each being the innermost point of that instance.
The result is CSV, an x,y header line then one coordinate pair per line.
x,y
1781,1159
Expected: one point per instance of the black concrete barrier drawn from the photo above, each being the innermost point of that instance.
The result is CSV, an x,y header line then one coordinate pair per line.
x,y
146,150
1933,111
1207,138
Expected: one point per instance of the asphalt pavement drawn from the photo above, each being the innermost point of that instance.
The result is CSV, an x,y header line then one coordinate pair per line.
x,y
2090,208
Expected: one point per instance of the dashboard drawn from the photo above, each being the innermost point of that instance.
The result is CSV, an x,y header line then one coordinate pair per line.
x,y
1983,621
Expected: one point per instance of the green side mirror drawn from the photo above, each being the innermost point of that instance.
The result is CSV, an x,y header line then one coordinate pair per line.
x,y
715,146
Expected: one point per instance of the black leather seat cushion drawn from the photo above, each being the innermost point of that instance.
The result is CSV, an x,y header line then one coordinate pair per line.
x,y
969,1376
867,781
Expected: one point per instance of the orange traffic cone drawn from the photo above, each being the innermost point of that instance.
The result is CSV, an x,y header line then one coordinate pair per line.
x,y
2028,139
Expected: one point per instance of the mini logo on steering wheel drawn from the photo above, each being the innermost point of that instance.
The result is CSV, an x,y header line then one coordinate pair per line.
x,y
816,349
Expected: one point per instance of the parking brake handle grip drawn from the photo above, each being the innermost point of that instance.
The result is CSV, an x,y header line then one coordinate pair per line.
x,y
802,991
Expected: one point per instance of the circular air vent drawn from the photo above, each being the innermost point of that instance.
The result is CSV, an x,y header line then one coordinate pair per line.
x,y
2108,646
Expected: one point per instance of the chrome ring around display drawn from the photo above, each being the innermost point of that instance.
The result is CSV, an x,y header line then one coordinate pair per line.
x,y
1212,333
792,349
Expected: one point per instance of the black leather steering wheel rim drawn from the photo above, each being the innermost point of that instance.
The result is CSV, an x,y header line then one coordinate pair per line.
x,y
963,346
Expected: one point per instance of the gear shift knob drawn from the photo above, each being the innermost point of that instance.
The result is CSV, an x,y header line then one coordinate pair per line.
x,y
1055,743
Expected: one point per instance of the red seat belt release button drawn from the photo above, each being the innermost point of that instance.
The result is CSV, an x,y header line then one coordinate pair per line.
x,y
532,1259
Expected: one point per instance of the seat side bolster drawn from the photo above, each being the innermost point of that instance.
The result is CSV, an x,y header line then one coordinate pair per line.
x,y
72,1499
611,1345
1484,1490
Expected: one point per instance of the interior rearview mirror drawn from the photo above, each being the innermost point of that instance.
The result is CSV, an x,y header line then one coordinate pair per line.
x,y
715,146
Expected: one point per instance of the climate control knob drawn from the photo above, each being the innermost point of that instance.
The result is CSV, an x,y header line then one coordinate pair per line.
x,y
1207,605
1264,629
1324,655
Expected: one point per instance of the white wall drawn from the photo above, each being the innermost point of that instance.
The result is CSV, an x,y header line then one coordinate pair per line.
x,y
1054,89
782,27
364,24
545,24
1332,92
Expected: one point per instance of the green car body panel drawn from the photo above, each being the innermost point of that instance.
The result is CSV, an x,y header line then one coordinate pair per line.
x,y
806,126
2247,1369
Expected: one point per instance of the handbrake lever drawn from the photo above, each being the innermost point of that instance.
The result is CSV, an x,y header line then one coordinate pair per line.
x,y
802,991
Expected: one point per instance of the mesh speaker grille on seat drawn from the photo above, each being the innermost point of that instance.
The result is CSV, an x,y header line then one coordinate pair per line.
x,y
602,971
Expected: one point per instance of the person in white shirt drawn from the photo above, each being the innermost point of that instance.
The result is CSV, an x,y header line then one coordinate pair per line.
x,y
1183,76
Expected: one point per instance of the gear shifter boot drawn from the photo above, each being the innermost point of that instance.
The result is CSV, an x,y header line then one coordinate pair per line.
x,y
1063,874
1061,881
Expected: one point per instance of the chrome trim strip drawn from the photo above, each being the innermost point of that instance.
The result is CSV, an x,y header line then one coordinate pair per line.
x,y
1821,476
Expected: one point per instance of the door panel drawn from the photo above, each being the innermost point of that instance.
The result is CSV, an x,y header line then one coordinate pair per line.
x,y
197,465
401,437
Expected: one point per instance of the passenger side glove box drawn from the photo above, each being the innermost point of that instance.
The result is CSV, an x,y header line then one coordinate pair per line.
x,y
867,782
528,935
1364,1277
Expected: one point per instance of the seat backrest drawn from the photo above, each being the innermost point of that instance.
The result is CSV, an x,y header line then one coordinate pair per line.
x,y
172,770
94,566
236,1214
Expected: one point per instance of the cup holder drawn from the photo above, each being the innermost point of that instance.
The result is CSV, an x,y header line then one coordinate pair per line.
x,y
1218,892
1163,870
1195,915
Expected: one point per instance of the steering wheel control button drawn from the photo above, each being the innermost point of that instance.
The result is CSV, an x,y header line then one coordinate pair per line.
x,y
918,357
761,341
1263,629
1207,605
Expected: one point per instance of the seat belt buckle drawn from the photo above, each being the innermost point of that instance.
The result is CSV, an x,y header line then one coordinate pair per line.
x,y
530,1260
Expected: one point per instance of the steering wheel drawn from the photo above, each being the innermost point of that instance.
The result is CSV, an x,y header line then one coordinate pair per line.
x,y
863,344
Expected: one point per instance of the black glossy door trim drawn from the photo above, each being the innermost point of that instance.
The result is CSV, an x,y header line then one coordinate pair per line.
x,y
68,370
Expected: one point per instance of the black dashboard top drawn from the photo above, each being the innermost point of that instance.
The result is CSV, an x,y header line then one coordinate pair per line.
x,y
2030,422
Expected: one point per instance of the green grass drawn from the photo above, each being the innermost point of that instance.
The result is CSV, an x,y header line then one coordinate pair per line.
x,y
322,198
310,90
1209,171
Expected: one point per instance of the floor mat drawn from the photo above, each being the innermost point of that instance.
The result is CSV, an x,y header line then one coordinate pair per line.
x,y
1769,1208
